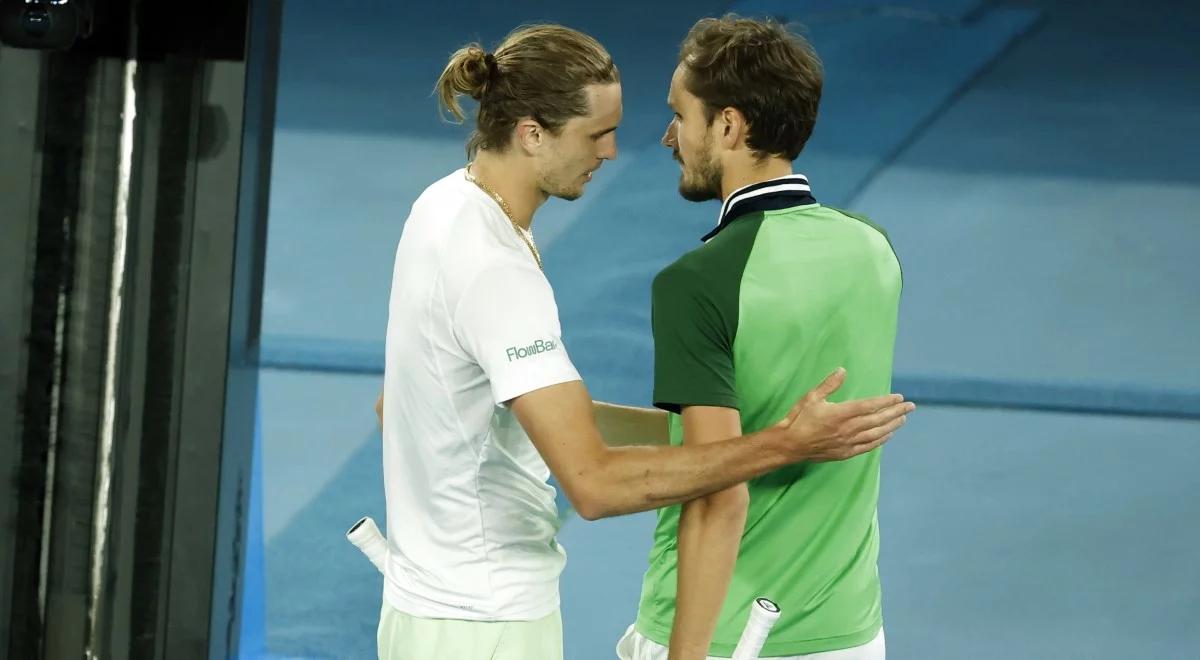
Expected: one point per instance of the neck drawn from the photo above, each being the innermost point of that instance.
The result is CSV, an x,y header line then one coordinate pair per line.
x,y
740,175
513,178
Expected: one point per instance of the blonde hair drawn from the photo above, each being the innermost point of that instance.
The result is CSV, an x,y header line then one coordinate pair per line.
x,y
538,71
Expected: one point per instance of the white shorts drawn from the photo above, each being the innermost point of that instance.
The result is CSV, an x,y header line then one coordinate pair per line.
x,y
405,637
635,646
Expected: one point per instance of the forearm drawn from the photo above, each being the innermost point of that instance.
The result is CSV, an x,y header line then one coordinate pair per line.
x,y
631,479
605,481
622,426
710,532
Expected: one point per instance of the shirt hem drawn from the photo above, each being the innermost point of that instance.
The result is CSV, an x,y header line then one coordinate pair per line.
x,y
427,609
671,404
513,389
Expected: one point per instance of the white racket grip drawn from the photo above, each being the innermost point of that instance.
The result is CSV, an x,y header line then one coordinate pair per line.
x,y
365,535
763,615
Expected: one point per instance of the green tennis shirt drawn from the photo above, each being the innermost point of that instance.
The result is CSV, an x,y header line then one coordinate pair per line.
x,y
781,293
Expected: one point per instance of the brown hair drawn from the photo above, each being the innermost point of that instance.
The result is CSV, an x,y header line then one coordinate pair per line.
x,y
771,75
538,71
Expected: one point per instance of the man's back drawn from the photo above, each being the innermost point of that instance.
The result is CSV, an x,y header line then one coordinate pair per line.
x,y
789,295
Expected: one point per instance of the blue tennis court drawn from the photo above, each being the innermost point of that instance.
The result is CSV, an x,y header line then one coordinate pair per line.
x,y
1035,164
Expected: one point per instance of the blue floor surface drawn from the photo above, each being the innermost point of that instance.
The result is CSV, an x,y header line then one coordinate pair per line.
x,y
1005,535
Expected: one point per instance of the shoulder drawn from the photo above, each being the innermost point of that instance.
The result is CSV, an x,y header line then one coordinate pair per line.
x,y
715,266
449,200
865,223
463,227
684,274
871,238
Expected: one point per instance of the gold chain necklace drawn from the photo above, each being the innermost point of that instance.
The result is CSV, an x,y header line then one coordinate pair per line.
x,y
525,234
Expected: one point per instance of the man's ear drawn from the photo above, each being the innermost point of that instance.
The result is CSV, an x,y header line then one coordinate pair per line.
x,y
529,134
732,128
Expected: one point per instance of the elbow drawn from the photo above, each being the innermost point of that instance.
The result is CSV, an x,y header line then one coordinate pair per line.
x,y
591,492
589,511
589,506
585,497
590,502
594,495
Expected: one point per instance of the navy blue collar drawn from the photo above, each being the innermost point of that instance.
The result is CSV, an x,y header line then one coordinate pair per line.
x,y
782,193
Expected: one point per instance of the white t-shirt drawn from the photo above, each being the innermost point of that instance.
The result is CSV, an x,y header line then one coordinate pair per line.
x,y
472,324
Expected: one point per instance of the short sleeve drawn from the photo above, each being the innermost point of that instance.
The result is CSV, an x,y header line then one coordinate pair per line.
x,y
507,320
693,343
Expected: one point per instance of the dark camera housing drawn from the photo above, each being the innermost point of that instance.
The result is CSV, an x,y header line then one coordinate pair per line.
x,y
45,24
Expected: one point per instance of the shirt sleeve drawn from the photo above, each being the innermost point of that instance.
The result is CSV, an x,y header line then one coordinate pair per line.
x,y
693,343
507,320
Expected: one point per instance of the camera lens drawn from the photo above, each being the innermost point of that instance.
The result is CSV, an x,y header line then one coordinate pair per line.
x,y
36,21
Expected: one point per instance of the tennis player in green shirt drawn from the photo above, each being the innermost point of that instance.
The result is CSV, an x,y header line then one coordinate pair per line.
x,y
781,292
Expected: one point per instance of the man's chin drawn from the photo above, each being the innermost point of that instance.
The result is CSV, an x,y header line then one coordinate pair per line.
x,y
569,195
695,194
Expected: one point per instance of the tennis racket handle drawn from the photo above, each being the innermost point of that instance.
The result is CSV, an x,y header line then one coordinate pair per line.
x,y
763,615
365,536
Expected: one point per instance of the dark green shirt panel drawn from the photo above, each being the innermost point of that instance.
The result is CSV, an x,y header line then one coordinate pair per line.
x,y
694,317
